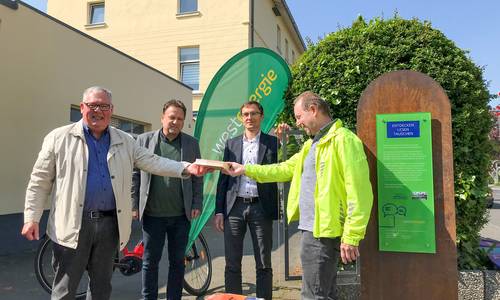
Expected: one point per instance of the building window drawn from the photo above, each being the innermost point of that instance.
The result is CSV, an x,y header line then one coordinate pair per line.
x,y
189,65
286,51
133,127
96,13
188,6
278,38
75,115
293,56
130,126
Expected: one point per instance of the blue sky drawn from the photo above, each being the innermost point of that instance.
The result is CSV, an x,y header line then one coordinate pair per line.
x,y
472,25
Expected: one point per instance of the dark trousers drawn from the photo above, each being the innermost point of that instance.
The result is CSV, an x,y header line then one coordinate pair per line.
x,y
95,252
154,230
261,231
319,257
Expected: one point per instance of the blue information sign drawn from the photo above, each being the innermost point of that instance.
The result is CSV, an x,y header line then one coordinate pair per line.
x,y
403,129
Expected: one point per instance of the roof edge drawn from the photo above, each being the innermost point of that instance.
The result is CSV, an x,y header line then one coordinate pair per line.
x,y
96,40
10,3
295,27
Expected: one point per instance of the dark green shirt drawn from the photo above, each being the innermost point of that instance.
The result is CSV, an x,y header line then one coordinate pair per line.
x,y
165,193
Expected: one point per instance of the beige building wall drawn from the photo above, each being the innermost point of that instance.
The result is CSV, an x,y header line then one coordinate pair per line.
x,y
45,66
266,30
152,30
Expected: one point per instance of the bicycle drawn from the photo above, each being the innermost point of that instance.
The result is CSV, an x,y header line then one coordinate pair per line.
x,y
196,278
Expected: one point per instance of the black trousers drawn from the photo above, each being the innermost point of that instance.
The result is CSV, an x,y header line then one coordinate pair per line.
x,y
261,231
97,246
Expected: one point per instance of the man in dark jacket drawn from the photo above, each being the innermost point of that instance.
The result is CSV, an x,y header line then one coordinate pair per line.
x,y
242,202
166,205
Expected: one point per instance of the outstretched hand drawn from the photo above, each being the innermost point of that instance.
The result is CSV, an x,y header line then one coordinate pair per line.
x,y
198,170
235,169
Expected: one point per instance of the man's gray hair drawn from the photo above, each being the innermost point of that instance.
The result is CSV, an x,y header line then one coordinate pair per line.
x,y
97,89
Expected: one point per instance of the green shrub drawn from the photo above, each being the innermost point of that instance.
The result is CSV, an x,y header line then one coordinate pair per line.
x,y
341,66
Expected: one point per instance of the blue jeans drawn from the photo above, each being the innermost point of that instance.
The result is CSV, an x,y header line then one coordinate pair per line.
x,y
154,230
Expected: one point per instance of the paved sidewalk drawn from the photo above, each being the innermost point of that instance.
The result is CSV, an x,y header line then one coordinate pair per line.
x,y
492,229
18,281
17,278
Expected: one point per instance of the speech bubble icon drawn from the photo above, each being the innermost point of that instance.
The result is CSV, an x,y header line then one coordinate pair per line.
x,y
389,209
401,210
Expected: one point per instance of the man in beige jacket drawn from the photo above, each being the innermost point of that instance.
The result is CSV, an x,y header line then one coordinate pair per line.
x,y
87,166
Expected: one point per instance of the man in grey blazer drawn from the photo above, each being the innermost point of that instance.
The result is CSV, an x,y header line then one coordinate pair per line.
x,y
166,205
241,202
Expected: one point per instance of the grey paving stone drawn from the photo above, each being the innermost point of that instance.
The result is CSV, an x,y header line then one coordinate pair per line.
x,y
470,285
492,285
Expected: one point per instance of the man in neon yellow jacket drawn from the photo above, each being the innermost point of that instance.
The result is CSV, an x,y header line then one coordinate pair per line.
x,y
330,187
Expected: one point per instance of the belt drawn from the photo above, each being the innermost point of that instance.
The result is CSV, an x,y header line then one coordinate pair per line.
x,y
248,200
97,214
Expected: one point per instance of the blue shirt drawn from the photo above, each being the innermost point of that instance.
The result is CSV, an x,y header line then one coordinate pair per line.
x,y
99,192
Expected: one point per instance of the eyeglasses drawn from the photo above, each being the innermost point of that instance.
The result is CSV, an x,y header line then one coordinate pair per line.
x,y
250,114
102,107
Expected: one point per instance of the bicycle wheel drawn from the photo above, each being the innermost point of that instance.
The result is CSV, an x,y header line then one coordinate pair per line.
x,y
45,272
198,272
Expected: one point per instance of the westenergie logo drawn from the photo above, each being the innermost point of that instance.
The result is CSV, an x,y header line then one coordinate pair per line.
x,y
263,89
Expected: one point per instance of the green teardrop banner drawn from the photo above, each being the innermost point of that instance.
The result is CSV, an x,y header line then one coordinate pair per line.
x,y
257,74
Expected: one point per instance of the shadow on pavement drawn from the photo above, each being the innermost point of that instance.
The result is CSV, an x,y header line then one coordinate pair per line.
x,y
18,280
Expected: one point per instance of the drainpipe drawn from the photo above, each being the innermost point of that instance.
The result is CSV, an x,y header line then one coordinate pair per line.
x,y
250,28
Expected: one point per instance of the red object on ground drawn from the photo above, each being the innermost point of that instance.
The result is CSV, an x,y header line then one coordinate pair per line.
x,y
226,297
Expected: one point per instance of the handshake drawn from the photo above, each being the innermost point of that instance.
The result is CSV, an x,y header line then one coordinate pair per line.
x,y
203,166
